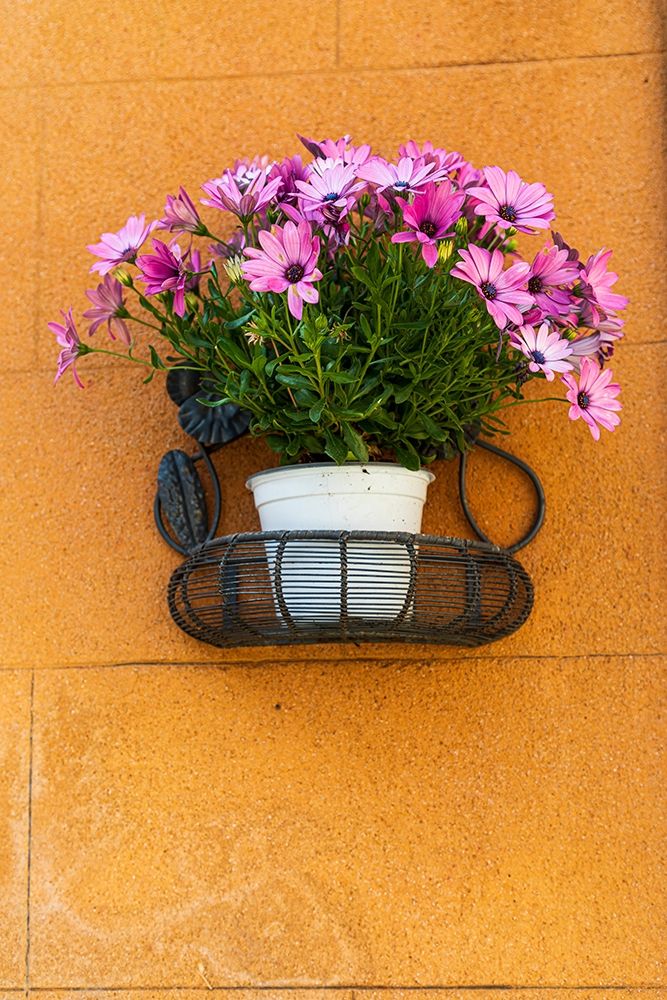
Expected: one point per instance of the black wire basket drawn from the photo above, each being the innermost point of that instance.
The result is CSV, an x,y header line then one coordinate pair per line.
x,y
277,588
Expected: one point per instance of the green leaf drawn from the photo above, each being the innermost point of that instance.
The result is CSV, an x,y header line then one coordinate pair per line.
x,y
401,395
156,360
227,346
258,365
315,411
407,456
305,397
294,381
234,324
336,448
355,443
340,378
432,429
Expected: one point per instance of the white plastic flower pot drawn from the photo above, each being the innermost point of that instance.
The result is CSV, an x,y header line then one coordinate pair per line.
x,y
352,497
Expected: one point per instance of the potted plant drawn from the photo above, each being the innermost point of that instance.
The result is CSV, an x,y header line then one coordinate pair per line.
x,y
369,315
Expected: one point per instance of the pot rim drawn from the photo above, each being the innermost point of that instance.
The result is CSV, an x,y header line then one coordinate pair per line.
x,y
309,467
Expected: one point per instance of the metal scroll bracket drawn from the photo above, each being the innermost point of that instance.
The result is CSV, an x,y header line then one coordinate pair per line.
x,y
180,497
532,476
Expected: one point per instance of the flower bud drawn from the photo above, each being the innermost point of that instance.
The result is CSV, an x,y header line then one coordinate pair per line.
x,y
192,301
124,277
234,269
461,226
445,250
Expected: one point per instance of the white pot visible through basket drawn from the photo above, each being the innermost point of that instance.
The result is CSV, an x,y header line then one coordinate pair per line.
x,y
352,497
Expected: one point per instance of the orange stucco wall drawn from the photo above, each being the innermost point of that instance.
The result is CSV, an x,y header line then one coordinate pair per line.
x,y
383,818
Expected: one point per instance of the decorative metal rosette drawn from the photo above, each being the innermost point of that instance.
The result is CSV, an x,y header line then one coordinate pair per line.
x,y
208,424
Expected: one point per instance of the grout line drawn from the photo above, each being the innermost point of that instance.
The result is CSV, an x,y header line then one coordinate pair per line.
x,y
30,770
327,660
357,70
473,987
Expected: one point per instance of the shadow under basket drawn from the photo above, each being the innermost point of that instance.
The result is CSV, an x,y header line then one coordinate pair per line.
x,y
276,588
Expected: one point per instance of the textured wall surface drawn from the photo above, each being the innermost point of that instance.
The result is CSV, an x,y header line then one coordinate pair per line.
x,y
304,821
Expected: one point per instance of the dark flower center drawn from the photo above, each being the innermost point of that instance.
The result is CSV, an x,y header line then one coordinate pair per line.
x,y
402,184
294,273
488,290
332,196
583,400
538,357
428,227
534,284
507,213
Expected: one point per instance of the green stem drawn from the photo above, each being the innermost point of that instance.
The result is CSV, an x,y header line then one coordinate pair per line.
x,y
117,354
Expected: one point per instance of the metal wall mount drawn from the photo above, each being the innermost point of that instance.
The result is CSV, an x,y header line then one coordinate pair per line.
x,y
258,588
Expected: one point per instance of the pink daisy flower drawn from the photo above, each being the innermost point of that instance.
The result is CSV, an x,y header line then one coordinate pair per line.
x,y
545,349
286,262
408,175
337,149
594,398
610,330
585,346
228,195
244,171
109,308
290,170
181,216
165,271
429,218
69,340
502,291
432,154
549,271
116,248
330,189
599,281
508,201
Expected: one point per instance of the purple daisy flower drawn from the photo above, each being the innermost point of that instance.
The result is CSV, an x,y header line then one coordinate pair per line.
x,y
109,308
510,202
408,175
432,154
290,170
244,171
545,349
123,246
228,195
330,190
502,291
69,340
181,216
337,149
286,262
585,346
610,330
165,271
431,217
550,270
